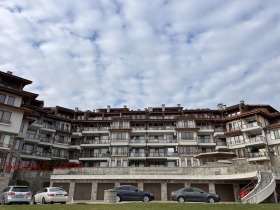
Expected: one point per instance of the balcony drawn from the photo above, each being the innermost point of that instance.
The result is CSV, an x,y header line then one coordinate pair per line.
x,y
119,142
76,132
236,144
67,130
206,142
219,132
249,127
59,156
181,127
74,156
221,146
48,127
257,140
58,141
161,142
31,138
90,130
76,144
188,142
205,129
160,128
113,127
95,142
35,155
236,129
119,154
94,156
4,146
162,154
137,154
258,156
46,140
37,124
136,142
138,129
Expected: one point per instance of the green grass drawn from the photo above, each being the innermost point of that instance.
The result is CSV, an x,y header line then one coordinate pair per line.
x,y
145,206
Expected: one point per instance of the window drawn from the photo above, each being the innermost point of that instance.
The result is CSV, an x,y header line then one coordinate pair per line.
x,y
5,117
276,134
2,98
187,135
188,190
11,100
6,140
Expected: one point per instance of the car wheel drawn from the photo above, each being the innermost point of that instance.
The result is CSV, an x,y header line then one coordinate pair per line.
x,y
181,199
44,201
210,200
145,198
118,198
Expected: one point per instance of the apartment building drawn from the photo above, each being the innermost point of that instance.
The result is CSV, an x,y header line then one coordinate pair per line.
x,y
159,149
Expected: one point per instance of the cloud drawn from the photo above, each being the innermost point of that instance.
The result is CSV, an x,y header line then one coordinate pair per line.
x,y
89,54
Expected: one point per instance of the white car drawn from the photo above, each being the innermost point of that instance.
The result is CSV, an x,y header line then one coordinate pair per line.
x,y
50,195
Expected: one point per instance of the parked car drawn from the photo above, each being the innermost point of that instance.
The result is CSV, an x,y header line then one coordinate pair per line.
x,y
16,194
50,195
131,193
194,195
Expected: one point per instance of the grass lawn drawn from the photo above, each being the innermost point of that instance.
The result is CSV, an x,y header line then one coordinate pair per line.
x,y
145,206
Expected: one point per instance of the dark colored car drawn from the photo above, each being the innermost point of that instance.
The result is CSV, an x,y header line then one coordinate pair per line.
x,y
194,195
131,193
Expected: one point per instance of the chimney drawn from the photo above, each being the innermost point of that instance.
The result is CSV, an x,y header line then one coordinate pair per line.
x,y
108,108
125,106
241,106
9,72
163,107
178,105
150,109
76,109
220,106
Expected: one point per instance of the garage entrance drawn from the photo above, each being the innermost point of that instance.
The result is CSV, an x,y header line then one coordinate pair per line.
x,y
82,191
101,187
225,191
154,188
173,187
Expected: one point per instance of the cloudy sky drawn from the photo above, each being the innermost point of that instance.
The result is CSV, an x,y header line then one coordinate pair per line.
x,y
94,53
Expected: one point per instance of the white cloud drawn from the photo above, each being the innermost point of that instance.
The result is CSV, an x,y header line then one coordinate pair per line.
x,y
93,53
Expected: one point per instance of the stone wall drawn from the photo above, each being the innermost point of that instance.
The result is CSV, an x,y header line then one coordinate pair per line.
x,y
36,179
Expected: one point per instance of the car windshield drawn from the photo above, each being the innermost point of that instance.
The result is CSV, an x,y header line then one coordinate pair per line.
x,y
56,189
20,189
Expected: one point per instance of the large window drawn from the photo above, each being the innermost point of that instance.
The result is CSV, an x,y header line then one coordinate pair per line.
x,y
2,98
5,117
119,136
187,135
11,100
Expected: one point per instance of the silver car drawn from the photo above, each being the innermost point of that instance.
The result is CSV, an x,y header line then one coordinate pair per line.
x,y
50,195
16,194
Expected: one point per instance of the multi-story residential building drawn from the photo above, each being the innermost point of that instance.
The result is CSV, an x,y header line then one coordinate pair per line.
x,y
159,149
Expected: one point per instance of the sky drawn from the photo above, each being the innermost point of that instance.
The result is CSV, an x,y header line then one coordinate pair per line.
x,y
144,53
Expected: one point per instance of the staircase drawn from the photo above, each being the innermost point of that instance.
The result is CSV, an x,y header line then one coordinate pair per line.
x,y
260,189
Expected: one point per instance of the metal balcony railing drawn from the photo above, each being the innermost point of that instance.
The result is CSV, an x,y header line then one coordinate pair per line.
x,y
205,127
205,140
185,126
58,141
97,141
252,125
95,128
137,141
161,128
137,154
35,153
95,155
162,141
46,139
119,153
48,126
31,136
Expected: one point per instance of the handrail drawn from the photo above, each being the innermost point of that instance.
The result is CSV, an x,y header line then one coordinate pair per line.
x,y
248,188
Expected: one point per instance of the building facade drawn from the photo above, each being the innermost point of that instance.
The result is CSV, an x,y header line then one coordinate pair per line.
x,y
159,149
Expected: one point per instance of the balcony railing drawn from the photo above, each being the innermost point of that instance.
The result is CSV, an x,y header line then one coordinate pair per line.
x,y
221,143
205,140
219,130
46,139
120,127
233,129
137,141
60,155
95,155
162,154
137,154
97,141
63,129
161,127
35,153
60,141
255,139
95,129
119,153
161,141
185,126
48,126
236,142
138,128
31,136
3,145
258,154
205,127
187,139
74,157
252,125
